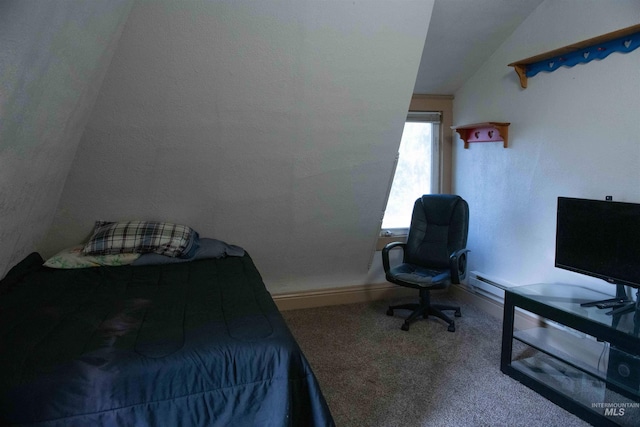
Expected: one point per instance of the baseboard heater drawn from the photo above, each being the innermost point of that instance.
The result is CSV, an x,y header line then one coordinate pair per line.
x,y
491,288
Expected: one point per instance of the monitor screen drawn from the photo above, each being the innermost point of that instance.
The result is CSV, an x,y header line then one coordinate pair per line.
x,y
599,239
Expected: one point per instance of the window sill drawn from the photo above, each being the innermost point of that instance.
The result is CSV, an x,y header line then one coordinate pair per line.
x,y
385,240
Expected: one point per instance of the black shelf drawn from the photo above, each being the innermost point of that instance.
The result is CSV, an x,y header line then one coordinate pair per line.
x,y
571,354
557,343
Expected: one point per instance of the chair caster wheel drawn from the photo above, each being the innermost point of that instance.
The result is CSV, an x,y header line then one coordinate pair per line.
x,y
405,327
451,328
390,312
458,313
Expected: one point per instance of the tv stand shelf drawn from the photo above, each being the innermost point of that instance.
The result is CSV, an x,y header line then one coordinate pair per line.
x,y
580,358
581,353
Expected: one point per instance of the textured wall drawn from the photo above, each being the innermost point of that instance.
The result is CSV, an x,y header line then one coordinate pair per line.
x,y
272,125
574,132
52,59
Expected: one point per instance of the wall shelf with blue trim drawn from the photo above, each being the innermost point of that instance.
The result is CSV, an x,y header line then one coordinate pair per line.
x,y
623,41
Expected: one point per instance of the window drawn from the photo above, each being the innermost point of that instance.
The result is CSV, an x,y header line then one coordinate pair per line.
x,y
416,172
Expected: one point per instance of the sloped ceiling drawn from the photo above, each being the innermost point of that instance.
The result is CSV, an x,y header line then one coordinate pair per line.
x,y
53,56
272,125
461,37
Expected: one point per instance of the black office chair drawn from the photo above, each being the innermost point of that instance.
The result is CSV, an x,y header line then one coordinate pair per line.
x,y
435,254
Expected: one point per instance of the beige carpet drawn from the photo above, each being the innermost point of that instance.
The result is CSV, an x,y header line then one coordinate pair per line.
x,y
375,375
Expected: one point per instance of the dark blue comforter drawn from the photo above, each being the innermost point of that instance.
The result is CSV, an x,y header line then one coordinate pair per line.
x,y
191,344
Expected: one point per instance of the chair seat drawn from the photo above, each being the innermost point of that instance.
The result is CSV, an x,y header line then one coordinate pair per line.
x,y
416,276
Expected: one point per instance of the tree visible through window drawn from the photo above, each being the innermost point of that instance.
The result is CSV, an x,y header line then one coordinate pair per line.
x,y
416,171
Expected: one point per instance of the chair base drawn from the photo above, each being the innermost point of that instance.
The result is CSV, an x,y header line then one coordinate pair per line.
x,y
425,309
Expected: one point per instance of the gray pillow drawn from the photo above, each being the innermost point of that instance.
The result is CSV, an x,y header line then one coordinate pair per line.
x,y
207,248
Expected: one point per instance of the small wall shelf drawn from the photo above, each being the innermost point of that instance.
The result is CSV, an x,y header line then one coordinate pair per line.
x,y
624,41
484,132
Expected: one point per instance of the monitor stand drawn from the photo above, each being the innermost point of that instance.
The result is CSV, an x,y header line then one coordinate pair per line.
x,y
620,299
628,306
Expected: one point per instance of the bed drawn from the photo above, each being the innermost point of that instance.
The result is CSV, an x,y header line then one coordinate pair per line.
x,y
195,343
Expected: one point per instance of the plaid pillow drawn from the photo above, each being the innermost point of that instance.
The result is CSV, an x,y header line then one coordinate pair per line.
x,y
140,237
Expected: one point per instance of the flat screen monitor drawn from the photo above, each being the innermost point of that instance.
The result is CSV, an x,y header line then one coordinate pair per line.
x,y
599,238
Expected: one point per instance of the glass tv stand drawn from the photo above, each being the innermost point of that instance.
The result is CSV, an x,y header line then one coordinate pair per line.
x,y
581,358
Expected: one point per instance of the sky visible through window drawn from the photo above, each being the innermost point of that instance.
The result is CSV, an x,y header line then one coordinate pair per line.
x,y
413,175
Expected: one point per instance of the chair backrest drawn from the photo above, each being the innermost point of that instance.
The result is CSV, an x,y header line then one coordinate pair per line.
x,y
439,227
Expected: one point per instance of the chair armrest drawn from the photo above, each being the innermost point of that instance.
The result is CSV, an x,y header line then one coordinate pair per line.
x,y
385,253
458,265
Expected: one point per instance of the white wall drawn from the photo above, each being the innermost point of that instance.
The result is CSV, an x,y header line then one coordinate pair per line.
x,y
272,125
52,59
574,132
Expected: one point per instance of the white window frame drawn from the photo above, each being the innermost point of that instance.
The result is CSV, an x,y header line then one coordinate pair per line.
x,y
392,234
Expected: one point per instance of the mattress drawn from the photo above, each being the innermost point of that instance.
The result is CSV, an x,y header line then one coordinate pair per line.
x,y
199,343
